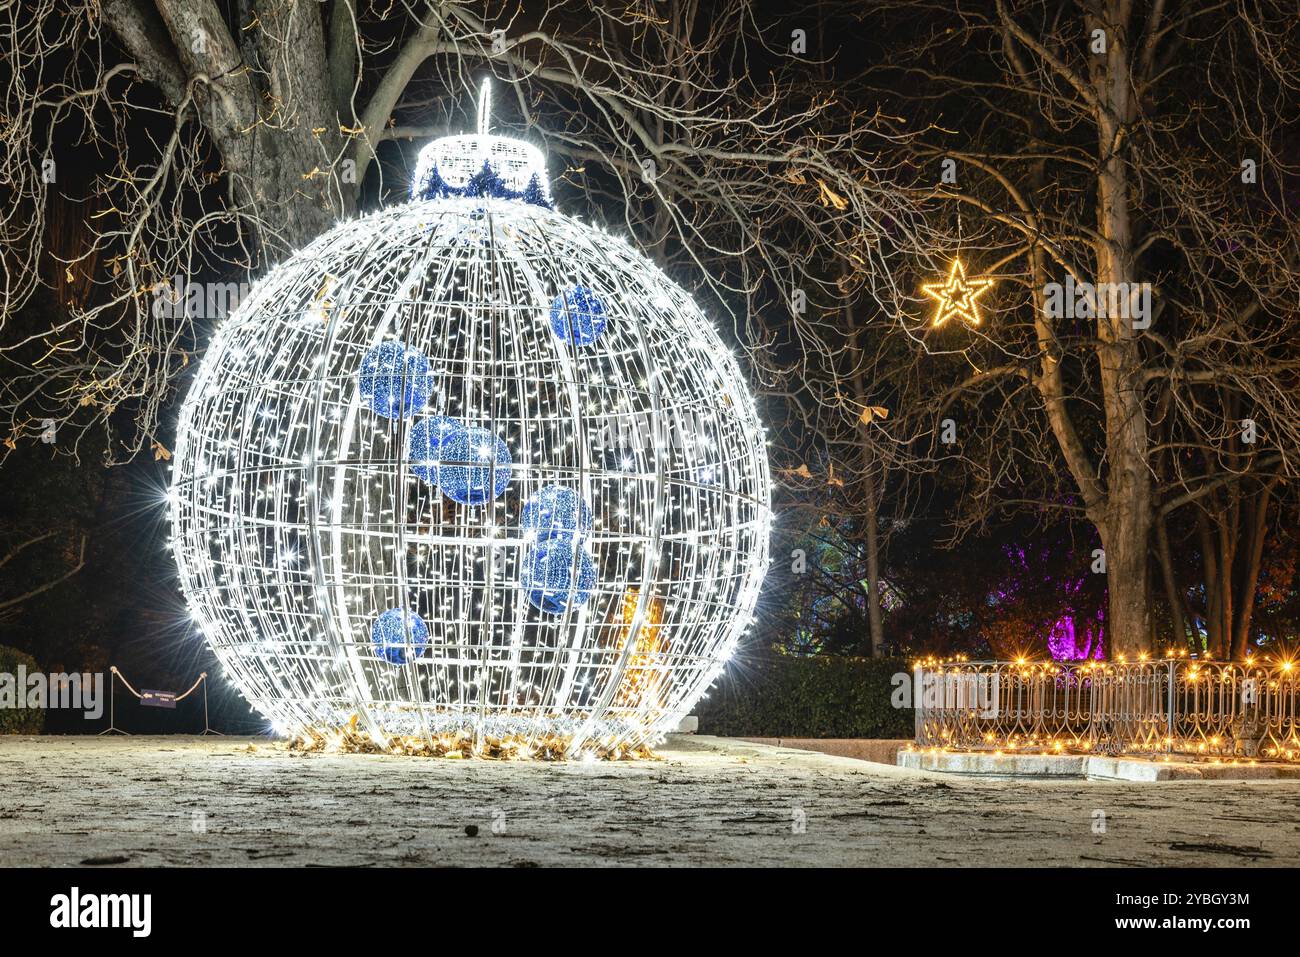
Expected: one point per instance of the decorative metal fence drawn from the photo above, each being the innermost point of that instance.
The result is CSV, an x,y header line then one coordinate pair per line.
x,y
1172,706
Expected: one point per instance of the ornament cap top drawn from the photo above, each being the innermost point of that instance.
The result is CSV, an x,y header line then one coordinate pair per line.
x,y
482,165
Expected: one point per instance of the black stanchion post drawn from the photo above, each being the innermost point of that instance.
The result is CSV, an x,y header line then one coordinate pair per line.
x,y
112,704
207,729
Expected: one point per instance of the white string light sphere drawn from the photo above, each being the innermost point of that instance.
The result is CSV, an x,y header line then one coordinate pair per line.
x,y
467,469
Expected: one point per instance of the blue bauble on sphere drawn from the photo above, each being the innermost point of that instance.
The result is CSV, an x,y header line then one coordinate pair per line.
x,y
578,316
424,449
548,576
395,380
481,469
555,511
399,636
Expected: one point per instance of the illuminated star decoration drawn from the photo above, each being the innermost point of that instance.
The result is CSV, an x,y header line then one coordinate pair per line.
x,y
957,295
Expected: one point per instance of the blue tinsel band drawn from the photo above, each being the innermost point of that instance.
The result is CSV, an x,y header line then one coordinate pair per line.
x,y
484,183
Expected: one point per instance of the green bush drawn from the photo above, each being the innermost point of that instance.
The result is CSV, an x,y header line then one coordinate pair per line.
x,y
818,697
19,720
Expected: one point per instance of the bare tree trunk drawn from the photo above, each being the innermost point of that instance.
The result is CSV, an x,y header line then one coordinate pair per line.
x,y
274,120
871,497
1127,580
1226,531
1173,594
1250,576
873,568
1127,533
1216,642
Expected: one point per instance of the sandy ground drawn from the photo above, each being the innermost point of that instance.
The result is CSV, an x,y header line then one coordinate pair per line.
x,y
215,801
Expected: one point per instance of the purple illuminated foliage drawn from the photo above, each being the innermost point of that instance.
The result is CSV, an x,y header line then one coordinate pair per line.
x,y
1076,639
1077,632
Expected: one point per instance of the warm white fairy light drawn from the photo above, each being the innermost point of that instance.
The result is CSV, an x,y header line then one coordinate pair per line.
x,y
301,514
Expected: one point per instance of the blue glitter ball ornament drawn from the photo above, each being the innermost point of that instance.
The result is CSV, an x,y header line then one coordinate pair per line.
x,y
555,511
548,576
481,469
395,380
578,316
424,450
399,636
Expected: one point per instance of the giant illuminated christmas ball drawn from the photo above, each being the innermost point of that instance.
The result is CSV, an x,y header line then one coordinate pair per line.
x,y
467,468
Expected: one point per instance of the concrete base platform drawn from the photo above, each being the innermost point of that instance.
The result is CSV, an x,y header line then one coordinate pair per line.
x,y
1091,766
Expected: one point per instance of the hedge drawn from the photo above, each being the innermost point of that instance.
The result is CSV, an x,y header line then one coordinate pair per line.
x,y
19,720
818,697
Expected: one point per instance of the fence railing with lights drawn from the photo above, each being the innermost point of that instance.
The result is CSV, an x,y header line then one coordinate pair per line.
x,y
1172,706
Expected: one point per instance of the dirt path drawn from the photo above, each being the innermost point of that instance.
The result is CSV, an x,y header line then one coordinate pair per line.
x,y
206,801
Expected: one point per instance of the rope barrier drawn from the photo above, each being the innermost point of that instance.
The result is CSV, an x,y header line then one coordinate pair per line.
x,y
122,678
198,681
112,700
